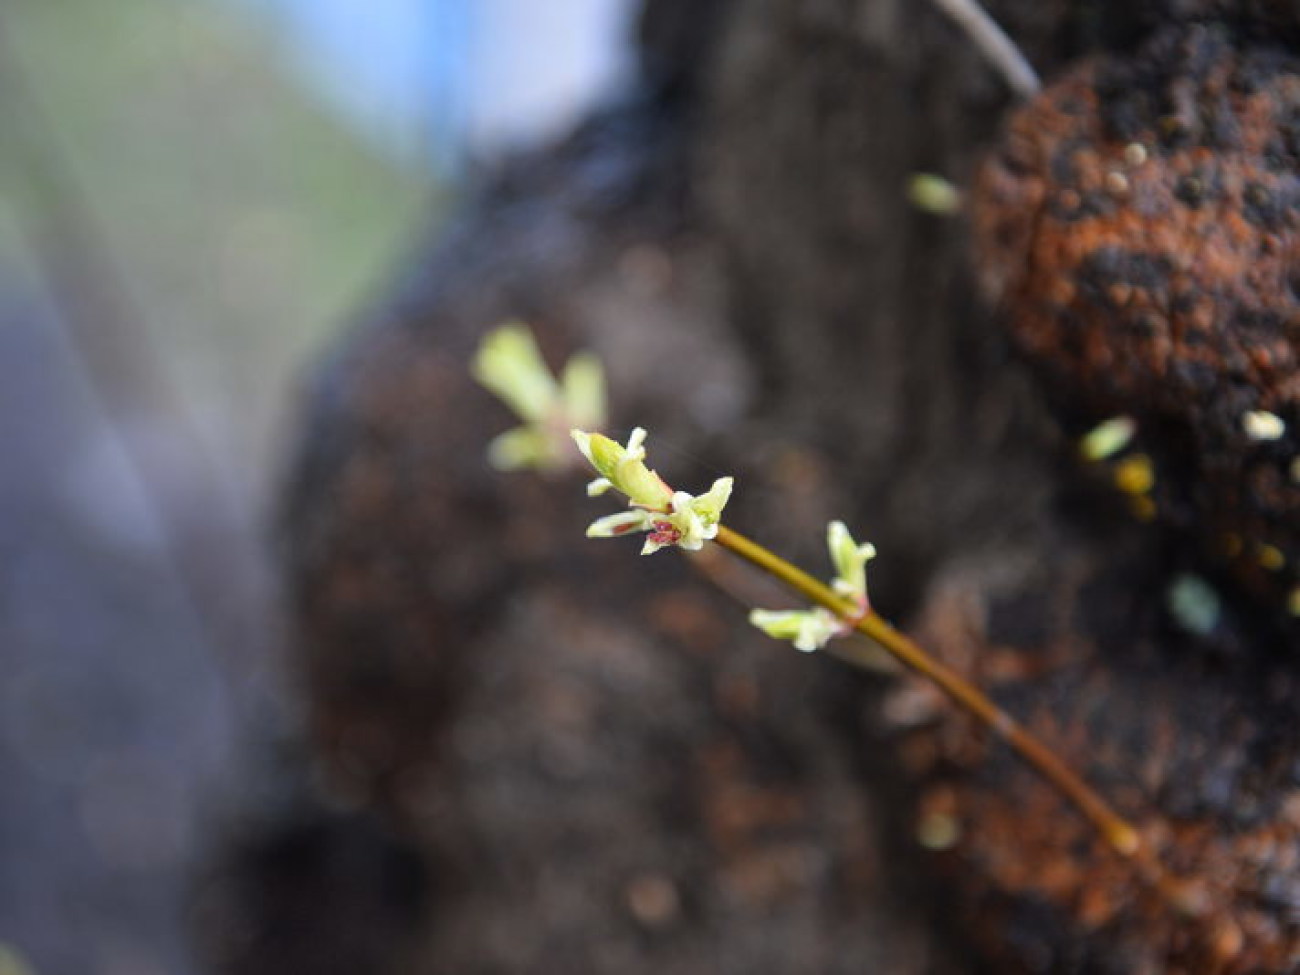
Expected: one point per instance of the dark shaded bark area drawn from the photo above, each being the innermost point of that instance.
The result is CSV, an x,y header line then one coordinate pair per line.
x,y
601,766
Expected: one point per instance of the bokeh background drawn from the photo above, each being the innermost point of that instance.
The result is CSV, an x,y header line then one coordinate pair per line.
x,y
194,196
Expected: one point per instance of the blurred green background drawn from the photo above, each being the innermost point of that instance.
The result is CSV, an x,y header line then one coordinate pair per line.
x,y
182,225
244,218
195,196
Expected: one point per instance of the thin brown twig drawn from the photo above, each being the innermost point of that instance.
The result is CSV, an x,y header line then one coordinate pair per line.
x,y
1122,837
1119,834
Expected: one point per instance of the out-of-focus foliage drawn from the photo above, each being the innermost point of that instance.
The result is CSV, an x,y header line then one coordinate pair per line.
x,y
156,151
245,217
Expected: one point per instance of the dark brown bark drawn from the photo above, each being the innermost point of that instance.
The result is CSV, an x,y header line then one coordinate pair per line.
x,y
602,766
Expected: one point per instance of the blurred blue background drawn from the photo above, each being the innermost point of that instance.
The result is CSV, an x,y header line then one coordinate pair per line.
x,y
195,195
434,80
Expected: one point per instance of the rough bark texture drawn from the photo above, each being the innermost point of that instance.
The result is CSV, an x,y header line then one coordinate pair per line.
x,y
599,766
1139,227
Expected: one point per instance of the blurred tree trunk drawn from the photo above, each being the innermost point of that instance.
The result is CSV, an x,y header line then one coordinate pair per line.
x,y
598,764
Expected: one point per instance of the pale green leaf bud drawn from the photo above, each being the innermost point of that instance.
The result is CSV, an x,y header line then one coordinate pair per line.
x,y
1263,425
808,629
624,467
850,560
813,628
933,194
622,523
1107,438
670,517
509,364
583,385
518,448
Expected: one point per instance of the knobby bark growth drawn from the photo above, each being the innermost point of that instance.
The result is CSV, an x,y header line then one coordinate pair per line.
x,y
592,760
